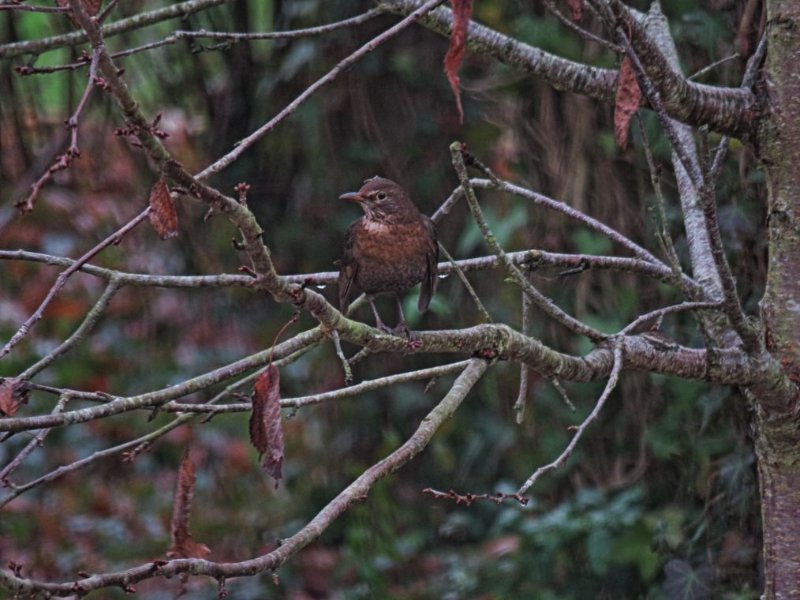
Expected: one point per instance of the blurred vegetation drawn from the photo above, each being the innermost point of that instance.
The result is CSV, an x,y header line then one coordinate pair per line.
x,y
660,498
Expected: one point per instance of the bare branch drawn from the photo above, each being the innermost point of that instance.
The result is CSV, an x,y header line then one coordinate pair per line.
x,y
36,442
62,280
341,66
139,21
202,33
523,258
356,491
667,310
613,379
544,303
726,110
487,318
78,335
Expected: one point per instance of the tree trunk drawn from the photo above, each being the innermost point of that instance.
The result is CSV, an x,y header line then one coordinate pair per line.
x,y
778,437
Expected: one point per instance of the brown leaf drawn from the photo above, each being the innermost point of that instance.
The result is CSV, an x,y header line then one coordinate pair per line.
x,y
163,215
13,393
183,546
627,102
462,9
266,433
575,9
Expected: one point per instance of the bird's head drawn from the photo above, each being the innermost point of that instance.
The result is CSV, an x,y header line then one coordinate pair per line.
x,y
382,200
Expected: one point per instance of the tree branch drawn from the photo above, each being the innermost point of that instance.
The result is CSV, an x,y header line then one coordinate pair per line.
x,y
180,10
564,456
355,492
726,110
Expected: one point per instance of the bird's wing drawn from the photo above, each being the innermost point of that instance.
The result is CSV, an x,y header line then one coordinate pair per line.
x,y
348,288
432,258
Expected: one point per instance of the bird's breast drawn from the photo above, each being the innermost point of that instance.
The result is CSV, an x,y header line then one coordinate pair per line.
x,y
391,257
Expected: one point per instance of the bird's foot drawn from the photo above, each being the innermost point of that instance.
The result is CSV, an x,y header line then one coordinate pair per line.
x,y
402,330
384,327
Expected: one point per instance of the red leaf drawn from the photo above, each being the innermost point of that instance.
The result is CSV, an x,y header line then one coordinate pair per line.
x,y
575,9
183,546
627,102
266,433
462,10
163,215
13,393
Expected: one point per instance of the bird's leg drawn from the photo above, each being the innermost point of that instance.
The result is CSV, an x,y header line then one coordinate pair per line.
x,y
401,328
378,323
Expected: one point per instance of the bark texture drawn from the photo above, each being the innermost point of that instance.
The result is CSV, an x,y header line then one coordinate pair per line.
x,y
778,440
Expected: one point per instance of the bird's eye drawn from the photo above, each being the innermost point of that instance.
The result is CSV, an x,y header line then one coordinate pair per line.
x,y
381,195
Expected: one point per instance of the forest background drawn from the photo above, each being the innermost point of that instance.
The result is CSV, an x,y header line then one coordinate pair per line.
x,y
658,500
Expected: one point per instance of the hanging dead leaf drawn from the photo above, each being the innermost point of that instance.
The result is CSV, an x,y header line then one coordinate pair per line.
x,y
462,10
13,393
575,9
266,433
163,214
183,545
627,102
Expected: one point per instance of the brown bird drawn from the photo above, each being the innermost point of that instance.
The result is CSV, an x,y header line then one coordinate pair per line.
x,y
387,251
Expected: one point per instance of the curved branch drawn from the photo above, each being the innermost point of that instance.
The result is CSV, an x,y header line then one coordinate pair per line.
x,y
545,304
613,379
727,110
724,109
356,491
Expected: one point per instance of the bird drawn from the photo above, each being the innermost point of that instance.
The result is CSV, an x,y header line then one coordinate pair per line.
x,y
389,250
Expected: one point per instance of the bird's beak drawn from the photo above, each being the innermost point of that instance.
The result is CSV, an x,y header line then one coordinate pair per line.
x,y
352,196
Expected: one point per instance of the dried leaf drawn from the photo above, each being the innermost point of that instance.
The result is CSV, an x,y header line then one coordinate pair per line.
x,y
183,546
13,393
163,215
266,433
627,102
462,9
575,9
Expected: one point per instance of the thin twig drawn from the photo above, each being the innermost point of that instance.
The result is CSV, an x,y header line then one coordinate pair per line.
x,y
562,392
138,445
584,33
712,66
9,6
663,236
522,258
357,490
346,392
544,303
340,67
337,345
183,34
667,310
487,318
114,238
522,394
139,21
282,35
567,452
79,334
36,442
63,161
